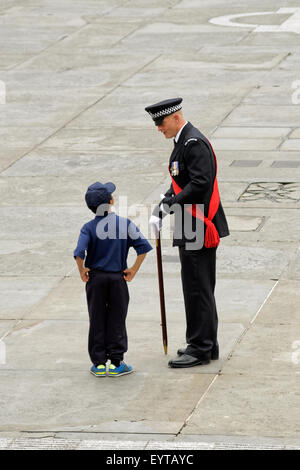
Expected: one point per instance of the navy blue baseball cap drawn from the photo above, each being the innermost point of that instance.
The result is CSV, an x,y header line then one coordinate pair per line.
x,y
98,193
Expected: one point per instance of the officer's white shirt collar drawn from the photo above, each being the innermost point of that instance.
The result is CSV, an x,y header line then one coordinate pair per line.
x,y
179,132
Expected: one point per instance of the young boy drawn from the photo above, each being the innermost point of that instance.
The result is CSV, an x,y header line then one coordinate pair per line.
x,y
106,239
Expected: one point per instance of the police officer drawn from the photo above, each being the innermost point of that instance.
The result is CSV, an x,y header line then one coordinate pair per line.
x,y
194,199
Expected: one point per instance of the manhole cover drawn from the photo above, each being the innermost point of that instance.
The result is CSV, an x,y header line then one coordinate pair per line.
x,y
275,192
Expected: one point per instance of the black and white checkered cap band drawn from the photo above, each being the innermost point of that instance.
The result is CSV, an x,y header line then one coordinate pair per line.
x,y
165,112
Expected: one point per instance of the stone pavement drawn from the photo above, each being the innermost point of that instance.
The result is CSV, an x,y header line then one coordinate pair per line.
x,y
75,76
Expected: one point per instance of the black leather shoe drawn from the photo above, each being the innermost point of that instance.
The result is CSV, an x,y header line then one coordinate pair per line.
x,y
214,352
187,361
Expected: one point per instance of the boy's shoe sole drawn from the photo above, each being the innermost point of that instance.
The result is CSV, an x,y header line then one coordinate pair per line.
x,y
98,374
119,374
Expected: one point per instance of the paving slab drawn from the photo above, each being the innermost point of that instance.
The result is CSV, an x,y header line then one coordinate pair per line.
x,y
97,139
291,145
153,354
20,137
251,132
293,270
44,407
66,301
238,299
282,306
275,350
19,295
249,115
17,39
231,190
286,39
38,338
264,172
42,344
248,404
161,35
252,261
246,144
33,114
57,163
295,134
10,155
66,191
272,94
112,110
43,259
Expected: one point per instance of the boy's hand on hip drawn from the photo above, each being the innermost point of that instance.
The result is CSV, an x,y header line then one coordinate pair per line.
x,y
84,274
129,274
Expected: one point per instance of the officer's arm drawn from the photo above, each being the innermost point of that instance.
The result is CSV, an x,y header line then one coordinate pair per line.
x,y
158,212
170,191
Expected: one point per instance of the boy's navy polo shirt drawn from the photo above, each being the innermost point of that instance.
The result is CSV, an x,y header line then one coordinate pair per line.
x,y
107,239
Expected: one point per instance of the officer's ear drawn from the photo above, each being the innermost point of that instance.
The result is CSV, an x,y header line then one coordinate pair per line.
x,y
112,201
177,117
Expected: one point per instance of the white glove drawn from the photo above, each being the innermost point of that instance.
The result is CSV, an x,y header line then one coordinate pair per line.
x,y
155,225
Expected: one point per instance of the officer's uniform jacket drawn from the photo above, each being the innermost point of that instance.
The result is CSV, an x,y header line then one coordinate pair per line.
x,y
192,165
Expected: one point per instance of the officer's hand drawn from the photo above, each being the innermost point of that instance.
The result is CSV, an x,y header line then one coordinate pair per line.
x,y
155,225
84,274
168,201
166,205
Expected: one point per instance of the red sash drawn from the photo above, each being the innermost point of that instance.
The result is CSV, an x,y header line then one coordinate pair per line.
x,y
212,238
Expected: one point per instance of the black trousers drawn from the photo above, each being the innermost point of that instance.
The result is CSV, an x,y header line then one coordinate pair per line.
x,y
107,298
198,275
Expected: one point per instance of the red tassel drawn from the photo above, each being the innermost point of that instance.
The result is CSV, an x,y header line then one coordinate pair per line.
x,y
212,238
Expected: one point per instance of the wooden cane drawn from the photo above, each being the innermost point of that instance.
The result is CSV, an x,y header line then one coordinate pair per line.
x,y
161,294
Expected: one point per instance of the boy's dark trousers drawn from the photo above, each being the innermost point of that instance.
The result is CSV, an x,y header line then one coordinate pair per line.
x,y
107,297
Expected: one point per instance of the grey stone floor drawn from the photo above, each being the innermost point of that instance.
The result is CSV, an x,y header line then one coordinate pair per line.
x,y
75,77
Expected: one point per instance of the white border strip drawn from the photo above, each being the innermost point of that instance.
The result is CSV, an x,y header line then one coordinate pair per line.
x,y
262,305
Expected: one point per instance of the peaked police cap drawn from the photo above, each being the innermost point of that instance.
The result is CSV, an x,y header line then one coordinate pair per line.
x,y
159,111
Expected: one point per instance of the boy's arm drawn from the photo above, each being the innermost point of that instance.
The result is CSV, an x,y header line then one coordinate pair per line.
x,y
84,272
129,273
79,253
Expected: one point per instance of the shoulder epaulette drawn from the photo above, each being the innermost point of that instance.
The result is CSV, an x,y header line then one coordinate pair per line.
x,y
190,140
